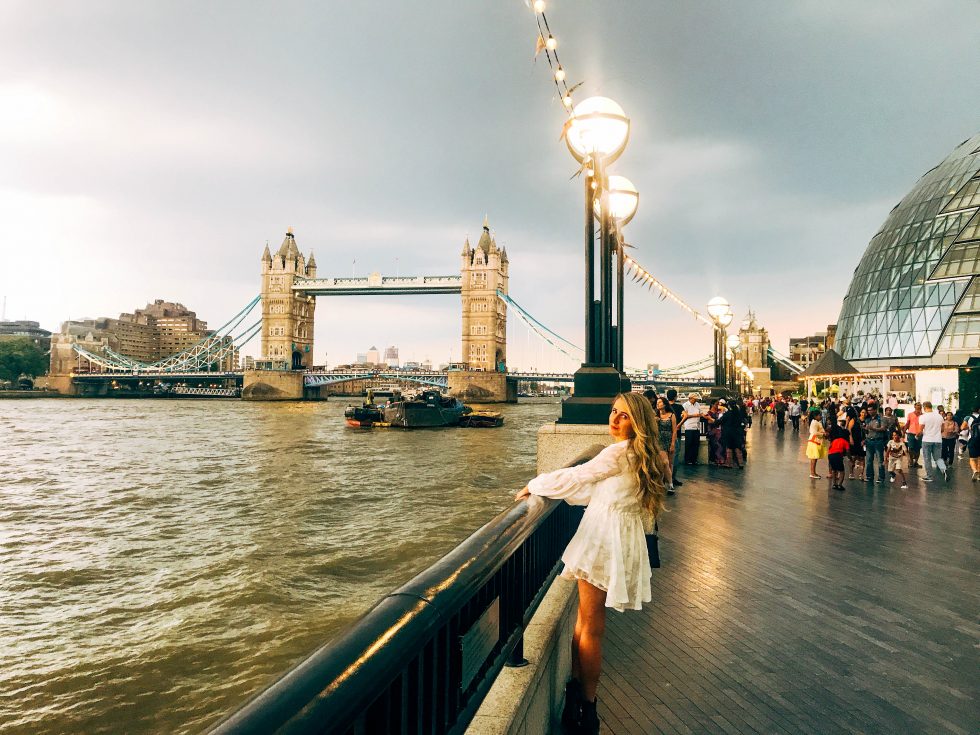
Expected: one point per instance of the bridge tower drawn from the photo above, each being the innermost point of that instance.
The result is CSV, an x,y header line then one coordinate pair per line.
x,y
287,317
484,272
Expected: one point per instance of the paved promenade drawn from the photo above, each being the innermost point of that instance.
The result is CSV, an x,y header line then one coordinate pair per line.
x,y
786,607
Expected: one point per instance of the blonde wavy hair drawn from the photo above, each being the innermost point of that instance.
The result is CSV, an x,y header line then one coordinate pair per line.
x,y
646,459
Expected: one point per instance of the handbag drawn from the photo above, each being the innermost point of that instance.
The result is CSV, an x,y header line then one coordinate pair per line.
x,y
653,547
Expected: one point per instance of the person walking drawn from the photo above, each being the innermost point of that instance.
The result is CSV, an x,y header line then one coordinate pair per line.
x,y
733,436
874,445
856,453
667,434
815,447
898,457
676,457
839,446
913,435
780,410
889,422
951,430
623,488
691,419
795,411
713,431
931,424
971,424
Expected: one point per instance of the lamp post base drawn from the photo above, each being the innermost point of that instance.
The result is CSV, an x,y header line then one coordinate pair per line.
x,y
596,385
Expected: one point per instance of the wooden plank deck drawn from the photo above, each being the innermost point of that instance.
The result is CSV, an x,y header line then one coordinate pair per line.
x,y
786,607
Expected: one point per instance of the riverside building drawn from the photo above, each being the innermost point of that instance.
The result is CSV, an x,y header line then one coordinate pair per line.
x,y
147,335
914,301
32,330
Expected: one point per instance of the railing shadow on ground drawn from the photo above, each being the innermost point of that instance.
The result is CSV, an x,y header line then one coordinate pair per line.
x,y
423,658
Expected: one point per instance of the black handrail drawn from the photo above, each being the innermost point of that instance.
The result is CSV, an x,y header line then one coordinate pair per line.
x,y
423,658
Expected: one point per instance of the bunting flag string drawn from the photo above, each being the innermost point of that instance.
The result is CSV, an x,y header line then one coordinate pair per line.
x,y
642,276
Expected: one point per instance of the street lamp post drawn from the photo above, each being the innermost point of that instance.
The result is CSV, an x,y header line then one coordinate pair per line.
x,y
732,343
622,200
596,136
721,313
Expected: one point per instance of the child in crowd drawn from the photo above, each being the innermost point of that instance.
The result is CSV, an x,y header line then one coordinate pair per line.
x,y
898,457
839,445
961,443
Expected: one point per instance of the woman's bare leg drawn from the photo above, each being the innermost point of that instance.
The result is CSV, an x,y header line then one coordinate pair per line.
x,y
590,625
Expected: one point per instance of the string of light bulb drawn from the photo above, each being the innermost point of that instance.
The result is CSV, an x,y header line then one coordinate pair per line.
x,y
547,42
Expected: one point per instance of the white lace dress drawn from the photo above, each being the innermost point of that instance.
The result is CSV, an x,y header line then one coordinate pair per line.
x,y
609,549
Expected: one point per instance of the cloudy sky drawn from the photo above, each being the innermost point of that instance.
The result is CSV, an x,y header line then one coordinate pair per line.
x,y
149,150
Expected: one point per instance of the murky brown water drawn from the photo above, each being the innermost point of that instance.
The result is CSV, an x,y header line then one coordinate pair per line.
x,y
162,560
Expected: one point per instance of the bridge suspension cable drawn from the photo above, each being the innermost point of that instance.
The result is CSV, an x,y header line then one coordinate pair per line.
x,y
207,351
785,361
554,339
689,367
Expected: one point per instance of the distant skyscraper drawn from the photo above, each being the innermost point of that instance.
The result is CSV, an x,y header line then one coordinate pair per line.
x,y
391,357
361,358
373,356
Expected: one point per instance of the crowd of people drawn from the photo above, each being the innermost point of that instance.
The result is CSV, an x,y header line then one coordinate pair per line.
x,y
625,485
722,421
864,437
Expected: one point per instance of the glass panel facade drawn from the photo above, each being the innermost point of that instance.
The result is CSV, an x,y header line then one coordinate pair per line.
x,y
963,335
971,299
896,306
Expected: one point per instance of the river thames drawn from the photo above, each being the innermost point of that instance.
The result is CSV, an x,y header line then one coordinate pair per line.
x,y
160,560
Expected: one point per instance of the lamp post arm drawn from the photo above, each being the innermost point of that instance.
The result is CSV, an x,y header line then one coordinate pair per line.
x,y
619,300
590,346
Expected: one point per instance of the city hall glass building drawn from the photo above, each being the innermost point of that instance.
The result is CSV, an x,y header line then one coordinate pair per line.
x,y
914,300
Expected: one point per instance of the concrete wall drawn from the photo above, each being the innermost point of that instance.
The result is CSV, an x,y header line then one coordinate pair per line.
x,y
272,385
477,386
61,383
528,700
561,444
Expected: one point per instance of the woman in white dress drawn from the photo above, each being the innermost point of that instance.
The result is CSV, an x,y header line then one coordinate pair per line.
x,y
624,488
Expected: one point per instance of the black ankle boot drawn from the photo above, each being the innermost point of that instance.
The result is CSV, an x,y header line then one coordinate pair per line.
x,y
571,715
589,725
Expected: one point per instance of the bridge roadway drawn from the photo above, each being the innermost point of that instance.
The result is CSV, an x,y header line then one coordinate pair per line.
x,y
786,607
316,378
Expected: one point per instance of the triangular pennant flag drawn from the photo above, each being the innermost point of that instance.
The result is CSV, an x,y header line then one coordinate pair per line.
x,y
565,127
539,46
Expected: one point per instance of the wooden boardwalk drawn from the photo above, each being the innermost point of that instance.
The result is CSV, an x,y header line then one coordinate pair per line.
x,y
786,607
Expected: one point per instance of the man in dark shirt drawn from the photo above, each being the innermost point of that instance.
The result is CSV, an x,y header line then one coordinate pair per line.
x,y
874,444
780,409
651,395
678,412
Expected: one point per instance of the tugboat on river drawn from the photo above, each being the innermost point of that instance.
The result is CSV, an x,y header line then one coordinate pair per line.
x,y
427,409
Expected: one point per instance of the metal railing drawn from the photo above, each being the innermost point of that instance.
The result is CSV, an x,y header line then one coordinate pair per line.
x,y
423,658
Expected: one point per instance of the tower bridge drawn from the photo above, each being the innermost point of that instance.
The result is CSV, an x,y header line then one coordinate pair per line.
x,y
291,286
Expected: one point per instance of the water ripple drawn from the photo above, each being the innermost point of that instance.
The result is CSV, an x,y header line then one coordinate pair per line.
x,y
160,561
